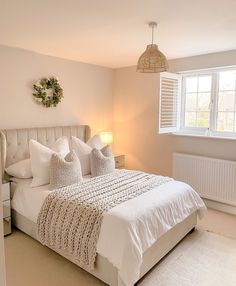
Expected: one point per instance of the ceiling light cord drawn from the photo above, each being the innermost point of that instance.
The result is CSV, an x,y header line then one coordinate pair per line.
x,y
152,25
152,34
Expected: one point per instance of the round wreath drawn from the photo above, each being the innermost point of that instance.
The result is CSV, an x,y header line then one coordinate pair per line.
x,y
48,92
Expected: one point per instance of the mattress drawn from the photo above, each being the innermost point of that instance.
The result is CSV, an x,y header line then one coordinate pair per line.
x,y
130,228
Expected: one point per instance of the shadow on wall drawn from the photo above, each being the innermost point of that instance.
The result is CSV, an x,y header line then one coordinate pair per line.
x,y
143,147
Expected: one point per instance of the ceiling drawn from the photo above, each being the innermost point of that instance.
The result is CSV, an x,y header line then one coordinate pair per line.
x,y
114,33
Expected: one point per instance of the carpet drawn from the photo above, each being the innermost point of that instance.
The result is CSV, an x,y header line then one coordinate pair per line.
x,y
201,259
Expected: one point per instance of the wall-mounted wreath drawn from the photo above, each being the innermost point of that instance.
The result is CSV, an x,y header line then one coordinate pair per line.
x,y
48,92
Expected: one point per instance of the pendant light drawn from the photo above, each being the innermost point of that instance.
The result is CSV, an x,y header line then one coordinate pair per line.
x,y
152,60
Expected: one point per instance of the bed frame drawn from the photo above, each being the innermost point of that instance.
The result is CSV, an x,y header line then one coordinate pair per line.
x,y
15,147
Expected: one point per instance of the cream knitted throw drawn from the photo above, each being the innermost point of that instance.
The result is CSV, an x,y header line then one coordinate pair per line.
x,y
70,218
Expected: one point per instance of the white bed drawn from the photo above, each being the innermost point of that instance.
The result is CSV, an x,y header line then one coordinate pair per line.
x,y
134,235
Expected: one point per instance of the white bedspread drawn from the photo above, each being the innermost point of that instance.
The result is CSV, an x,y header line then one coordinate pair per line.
x,y
129,228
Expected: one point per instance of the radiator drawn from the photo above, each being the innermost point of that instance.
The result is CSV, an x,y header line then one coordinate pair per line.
x,y
213,179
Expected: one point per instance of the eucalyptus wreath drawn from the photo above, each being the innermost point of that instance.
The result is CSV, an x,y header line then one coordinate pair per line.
x,y
48,92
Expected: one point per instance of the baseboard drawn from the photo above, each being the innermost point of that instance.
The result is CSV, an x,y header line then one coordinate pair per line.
x,y
220,206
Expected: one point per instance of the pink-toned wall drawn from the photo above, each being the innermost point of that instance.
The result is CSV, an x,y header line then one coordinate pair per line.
x,y
102,98
87,91
135,118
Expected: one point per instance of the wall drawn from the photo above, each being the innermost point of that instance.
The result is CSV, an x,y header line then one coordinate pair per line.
x,y
87,91
88,100
135,118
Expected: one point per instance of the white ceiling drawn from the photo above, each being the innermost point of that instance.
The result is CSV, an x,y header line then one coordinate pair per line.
x,y
114,33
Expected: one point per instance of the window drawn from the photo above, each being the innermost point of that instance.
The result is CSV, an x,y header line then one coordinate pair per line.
x,y
226,102
197,99
202,103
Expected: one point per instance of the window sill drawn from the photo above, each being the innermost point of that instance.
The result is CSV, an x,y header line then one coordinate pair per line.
x,y
203,136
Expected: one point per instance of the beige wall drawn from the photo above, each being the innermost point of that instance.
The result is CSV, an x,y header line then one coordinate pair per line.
x,y
135,118
87,91
88,100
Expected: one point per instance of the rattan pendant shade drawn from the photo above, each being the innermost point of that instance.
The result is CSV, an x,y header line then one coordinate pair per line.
x,y
152,60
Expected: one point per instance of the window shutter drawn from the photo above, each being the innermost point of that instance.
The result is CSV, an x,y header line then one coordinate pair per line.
x,y
169,102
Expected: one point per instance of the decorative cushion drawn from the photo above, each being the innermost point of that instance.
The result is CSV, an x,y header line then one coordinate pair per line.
x,y
102,161
64,171
21,169
40,156
83,151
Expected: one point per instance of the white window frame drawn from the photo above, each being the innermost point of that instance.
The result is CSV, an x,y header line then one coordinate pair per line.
x,y
197,130
210,132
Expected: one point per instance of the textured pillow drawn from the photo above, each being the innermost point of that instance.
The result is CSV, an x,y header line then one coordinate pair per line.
x,y
83,151
40,156
102,161
21,169
64,171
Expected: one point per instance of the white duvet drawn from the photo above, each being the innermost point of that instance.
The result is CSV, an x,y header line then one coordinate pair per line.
x,y
130,228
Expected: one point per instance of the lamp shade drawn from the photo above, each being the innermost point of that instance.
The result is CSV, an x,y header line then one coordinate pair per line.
x,y
106,137
152,60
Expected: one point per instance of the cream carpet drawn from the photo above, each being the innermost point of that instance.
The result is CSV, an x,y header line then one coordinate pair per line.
x,y
201,259
219,222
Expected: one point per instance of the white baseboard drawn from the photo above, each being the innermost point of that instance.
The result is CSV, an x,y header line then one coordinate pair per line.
x,y
220,206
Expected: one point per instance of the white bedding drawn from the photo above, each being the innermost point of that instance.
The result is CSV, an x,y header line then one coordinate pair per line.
x,y
129,228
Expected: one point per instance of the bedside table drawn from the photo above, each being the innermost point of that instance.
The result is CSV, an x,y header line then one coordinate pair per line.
x,y
120,161
6,205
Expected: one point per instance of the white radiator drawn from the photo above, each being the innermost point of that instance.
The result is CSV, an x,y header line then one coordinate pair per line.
x,y
213,179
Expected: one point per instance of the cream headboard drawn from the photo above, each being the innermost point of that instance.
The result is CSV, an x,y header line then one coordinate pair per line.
x,y
15,142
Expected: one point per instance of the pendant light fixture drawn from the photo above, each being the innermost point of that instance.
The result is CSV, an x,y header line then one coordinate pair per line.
x,y
152,60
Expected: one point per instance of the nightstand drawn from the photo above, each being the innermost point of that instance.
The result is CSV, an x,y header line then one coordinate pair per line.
x,y
120,161
6,205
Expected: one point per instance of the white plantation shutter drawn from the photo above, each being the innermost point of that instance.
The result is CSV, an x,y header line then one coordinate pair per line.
x,y
169,102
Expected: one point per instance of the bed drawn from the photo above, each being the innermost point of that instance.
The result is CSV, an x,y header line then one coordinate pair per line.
x,y
134,235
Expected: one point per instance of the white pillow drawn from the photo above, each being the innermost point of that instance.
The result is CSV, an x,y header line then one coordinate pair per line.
x,y
95,142
40,156
21,169
83,151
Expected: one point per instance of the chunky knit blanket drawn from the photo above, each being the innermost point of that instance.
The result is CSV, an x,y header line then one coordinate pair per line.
x,y
70,218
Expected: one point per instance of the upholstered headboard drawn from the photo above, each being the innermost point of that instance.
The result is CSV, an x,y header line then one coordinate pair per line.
x,y
15,142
